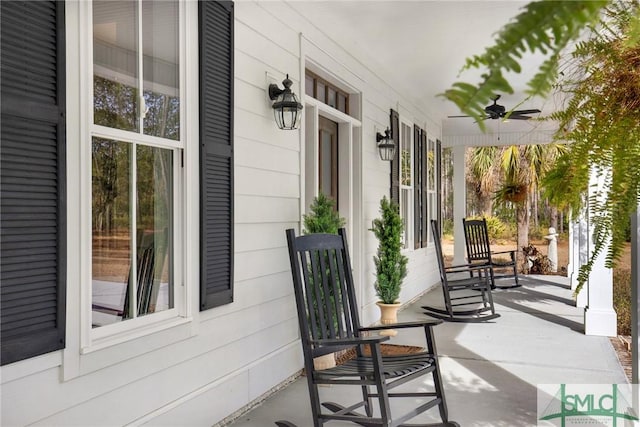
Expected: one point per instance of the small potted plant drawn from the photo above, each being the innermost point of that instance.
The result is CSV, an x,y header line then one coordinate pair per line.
x,y
323,218
390,263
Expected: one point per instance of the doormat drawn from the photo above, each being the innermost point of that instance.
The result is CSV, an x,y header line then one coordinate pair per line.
x,y
386,350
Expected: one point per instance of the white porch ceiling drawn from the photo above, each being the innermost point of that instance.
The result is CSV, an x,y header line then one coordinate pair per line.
x,y
423,45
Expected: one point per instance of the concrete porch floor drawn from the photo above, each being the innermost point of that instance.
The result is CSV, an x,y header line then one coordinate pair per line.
x,y
490,370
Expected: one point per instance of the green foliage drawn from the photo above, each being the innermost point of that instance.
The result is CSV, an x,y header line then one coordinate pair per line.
x,y
601,121
391,265
495,227
447,227
622,299
543,26
323,217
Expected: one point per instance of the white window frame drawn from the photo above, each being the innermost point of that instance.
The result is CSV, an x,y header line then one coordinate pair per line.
x,y
185,203
432,192
406,191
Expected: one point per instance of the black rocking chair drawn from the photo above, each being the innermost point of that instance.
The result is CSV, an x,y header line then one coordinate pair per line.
x,y
329,321
476,237
463,285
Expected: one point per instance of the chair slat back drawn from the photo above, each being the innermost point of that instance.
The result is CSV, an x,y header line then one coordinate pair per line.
x,y
323,286
476,236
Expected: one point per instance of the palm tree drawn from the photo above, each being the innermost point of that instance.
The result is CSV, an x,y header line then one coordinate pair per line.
x,y
522,168
482,176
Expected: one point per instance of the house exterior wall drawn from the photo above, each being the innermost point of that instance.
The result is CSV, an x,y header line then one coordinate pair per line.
x,y
222,359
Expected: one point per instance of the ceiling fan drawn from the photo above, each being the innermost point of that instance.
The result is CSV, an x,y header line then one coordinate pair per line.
x,y
496,111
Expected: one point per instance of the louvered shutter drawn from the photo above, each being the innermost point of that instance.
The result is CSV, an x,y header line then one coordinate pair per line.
x,y
439,179
424,153
395,163
418,165
32,186
216,153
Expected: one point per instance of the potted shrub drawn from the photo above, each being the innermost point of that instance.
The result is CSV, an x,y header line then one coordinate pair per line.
x,y
390,263
323,218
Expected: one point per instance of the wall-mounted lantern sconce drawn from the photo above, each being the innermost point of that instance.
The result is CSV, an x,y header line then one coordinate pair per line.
x,y
386,146
286,108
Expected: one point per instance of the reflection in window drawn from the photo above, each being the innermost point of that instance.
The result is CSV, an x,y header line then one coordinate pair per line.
x,y
114,104
117,57
161,69
136,88
115,52
116,280
431,182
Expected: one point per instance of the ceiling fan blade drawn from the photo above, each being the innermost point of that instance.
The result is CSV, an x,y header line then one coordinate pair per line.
x,y
517,117
516,112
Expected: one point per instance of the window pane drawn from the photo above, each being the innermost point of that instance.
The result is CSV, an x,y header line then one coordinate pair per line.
x,y
113,282
161,70
405,210
320,95
308,85
154,212
431,165
342,103
115,64
111,229
331,97
405,156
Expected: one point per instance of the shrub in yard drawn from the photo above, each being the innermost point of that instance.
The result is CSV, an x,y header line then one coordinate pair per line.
x,y
622,299
447,227
495,227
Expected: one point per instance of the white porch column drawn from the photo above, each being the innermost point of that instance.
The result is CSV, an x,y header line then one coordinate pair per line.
x,y
599,315
459,203
580,255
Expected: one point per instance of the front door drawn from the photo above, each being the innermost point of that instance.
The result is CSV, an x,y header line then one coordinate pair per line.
x,y
328,158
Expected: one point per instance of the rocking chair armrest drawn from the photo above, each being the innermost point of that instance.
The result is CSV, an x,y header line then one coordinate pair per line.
x,y
404,325
338,342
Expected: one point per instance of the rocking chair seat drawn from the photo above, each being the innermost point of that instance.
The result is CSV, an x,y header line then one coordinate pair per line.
x,y
394,367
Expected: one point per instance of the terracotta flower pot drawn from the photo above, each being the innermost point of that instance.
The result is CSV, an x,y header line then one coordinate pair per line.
x,y
388,316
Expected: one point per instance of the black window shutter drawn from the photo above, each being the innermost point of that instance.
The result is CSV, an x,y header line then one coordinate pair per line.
x,y
424,153
395,163
439,179
216,152
32,181
418,164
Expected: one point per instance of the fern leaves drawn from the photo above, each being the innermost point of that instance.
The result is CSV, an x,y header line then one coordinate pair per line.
x,y
543,26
